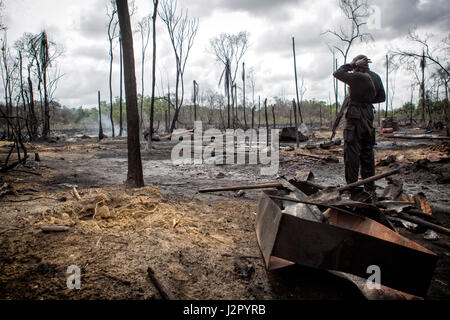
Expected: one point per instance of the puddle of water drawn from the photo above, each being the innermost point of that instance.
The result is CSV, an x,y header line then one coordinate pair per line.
x,y
417,136
391,144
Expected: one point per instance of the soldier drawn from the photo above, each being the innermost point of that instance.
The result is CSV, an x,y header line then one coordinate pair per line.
x,y
365,88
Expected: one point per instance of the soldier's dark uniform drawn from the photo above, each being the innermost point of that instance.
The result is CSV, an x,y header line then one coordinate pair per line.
x,y
366,88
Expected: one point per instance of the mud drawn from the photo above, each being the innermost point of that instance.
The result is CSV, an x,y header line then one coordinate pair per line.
x,y
199,245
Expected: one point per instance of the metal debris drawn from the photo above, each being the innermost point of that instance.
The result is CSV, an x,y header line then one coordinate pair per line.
x,y
430,235
346,243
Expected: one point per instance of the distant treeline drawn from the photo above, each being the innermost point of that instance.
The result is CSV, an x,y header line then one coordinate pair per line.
x,y
211,111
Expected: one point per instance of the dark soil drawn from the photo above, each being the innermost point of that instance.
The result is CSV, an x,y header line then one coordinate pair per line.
x,y
198,247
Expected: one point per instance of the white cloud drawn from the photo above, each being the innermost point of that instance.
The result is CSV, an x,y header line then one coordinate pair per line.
x,y
81,28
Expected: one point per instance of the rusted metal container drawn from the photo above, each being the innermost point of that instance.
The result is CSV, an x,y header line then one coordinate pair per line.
x,y
346,243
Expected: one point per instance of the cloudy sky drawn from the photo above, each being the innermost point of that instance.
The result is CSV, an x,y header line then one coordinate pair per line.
x,y
80,28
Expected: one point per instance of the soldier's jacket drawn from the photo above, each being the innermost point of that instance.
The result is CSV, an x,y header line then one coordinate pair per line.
x,y
365,88
359,135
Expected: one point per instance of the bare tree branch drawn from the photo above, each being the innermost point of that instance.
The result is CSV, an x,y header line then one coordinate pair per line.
x,y
356,11
182,32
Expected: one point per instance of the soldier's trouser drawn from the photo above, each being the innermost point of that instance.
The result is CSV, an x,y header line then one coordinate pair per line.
x,y
359,140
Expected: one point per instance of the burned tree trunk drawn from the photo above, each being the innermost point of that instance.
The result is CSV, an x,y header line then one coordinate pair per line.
x,y
144,29
228,111
135,175
267,121
152,105
379,115
120,90
335,86
31,111
296,81
297,140
165,120
273,116
320,114
387,87
446,104
111,32
100,126
428,104
6,80
22,95
243,94
228,89
195,99
18,143
182,32
233,107
259,112
168,111
422,87
44,63
253,117
238,122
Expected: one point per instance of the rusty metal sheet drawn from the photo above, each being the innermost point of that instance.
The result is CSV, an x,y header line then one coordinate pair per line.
x,y
346,243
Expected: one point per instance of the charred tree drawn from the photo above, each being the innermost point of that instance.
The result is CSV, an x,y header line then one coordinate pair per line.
x,y
135,175
182,32
410,58
259,112
120,87
296,81
297,140
422,87
40,51
235,107
267,122
144,30
251,79
335,85
22,93
273,116
18,144
31,110
356,11
112,26
6,80
243,94
100,126
227,90
152,103
253,117
387,87
229,50
44,65
195,99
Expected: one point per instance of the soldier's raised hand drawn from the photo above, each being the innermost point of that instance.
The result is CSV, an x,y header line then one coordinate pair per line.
x,y
363,62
